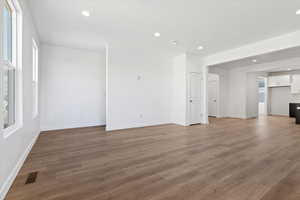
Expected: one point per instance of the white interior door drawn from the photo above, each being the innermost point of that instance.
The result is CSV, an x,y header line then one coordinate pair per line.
x,y
212,98
195,98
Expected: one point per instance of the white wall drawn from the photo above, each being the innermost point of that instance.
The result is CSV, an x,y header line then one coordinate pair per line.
x,y
240,102
252,95
139,87
213,86
242,97
179,98
147,87
14,149
223,90
238,93
73,87
183,65
279,100
195,64
237,96
259,48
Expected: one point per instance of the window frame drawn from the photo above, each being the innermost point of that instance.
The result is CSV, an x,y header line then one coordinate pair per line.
x,y
9,7
35,79
16,65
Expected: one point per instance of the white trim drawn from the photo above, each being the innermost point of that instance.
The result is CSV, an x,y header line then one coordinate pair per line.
x,y
9,181
35,79
218,114
17,65
19,70
11,129
188,107
144,125
205,95
8,65
107,117
281,42
70,126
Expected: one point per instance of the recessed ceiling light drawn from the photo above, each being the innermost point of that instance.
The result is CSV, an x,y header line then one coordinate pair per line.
x,y
254,60
174,42
157,34
289,69
200,47
86,13
298,12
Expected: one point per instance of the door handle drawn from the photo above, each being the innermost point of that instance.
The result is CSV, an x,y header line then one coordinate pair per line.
x,y
191,101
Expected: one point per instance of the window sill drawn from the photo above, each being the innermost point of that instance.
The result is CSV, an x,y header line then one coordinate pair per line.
x,y
11,130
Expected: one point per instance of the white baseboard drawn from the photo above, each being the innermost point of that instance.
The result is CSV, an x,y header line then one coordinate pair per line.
x,y
9,181
70,126
142,125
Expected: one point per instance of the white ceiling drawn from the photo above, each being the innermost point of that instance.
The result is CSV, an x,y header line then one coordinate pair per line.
x,y
278,61
215,24
264,58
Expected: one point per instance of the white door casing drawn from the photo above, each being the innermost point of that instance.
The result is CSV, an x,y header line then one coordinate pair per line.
x,y
195,98
213,98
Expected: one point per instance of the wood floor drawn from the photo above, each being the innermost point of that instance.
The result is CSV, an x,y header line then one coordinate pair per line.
x,y
229,159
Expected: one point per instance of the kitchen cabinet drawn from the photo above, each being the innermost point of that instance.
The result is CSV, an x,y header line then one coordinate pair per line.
x,y
279,81
295,86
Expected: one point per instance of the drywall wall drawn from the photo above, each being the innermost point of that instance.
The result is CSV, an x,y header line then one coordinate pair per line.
x,y
15,148
139,87
213,95
252,95
73,87
195,64
183,65
223,90
179,91
279,100
237,94
239,99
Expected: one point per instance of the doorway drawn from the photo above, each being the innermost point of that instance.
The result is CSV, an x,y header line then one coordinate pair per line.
x,y
213,95
195,98
262,96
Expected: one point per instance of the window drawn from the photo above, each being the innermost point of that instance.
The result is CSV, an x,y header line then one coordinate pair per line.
x,y
261,90
11,69
35,78
261,83
7,33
